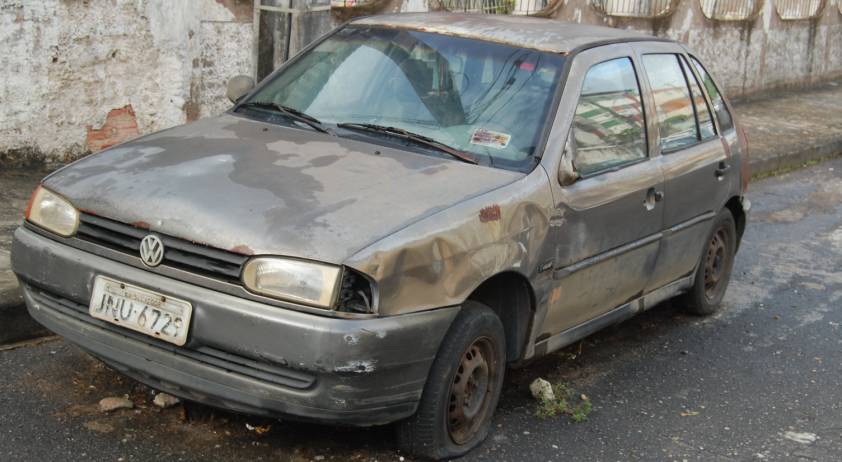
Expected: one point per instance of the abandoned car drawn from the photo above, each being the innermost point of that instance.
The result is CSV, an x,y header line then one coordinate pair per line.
x,y
377,230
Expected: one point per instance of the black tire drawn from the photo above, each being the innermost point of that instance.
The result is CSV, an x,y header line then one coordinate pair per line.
x,y
439,430
714,269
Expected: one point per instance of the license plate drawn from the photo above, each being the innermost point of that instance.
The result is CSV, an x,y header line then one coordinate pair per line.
x,y
141,310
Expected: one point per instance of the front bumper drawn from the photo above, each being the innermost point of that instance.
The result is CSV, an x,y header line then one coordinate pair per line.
x,y
240,355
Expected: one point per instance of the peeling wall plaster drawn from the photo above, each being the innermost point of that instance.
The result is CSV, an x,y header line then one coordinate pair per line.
x,y
120,125
67,64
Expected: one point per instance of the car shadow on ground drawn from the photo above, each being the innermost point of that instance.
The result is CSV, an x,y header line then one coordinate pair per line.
x,y
589,360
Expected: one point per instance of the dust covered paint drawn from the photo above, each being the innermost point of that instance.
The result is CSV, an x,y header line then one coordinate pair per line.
x,y
296,182
520,31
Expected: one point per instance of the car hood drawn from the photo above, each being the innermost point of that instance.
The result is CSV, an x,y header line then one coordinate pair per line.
x,y
257,188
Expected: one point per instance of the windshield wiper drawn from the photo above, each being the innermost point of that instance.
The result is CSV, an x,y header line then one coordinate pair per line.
x,y
414,137
292,113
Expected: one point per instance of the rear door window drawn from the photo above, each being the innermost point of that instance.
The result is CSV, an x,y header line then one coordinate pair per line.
x,y
609,129
673,104
719,108
706,129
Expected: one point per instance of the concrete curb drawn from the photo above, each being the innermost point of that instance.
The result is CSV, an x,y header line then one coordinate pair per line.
x,y
785,160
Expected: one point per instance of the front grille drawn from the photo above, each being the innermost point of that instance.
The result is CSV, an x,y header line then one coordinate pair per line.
x,y
179,253
219,359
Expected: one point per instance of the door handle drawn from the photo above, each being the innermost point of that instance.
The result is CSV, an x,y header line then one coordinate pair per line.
x,y
652,196
659,196
721,169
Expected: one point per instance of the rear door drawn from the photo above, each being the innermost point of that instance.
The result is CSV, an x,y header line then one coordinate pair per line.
x,y
693,157
725,125
608,222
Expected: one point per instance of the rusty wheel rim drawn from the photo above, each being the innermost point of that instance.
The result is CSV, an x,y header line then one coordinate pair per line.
x,y
715,262
471,391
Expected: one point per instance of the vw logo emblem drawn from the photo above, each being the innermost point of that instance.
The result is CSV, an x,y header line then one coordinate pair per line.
x,y
151,250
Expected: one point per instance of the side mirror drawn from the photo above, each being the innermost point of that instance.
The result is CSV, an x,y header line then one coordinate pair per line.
x,y
567,174
238,87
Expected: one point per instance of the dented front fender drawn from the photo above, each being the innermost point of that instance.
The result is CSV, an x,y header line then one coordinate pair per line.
x,y
441,259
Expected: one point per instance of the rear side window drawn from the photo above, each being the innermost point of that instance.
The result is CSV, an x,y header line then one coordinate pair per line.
x,y
609,127
722,114
706,129
673,104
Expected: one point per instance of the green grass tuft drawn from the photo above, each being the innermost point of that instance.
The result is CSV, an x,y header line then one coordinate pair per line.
x,y
565,403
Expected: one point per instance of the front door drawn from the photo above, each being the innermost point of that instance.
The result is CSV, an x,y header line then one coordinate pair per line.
x,y
608,223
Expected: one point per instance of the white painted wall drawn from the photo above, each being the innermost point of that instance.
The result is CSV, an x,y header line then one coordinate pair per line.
x,y
65,64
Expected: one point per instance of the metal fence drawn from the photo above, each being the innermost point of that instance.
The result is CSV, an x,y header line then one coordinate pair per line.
x,y
635,8
527,7
799,9
731,10
349,3
479,6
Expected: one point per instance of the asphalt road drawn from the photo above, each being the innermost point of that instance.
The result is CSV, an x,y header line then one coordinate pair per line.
x,y
759,381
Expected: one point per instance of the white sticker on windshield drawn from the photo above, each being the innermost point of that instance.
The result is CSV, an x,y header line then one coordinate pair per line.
x,y
496,140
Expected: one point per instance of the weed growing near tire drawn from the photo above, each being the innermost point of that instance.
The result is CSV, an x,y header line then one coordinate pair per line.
x,y
565,402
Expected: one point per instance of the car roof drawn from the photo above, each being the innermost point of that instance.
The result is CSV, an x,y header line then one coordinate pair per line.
x,y
528,32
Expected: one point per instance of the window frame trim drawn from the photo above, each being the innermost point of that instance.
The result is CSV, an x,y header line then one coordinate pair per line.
x,y
682,66
612,169
686,64
718,87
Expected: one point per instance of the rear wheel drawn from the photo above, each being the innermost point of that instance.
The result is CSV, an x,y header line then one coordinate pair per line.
x,y
714,270
462,390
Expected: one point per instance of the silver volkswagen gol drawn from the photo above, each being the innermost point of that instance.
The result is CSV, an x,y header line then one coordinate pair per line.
x,y
375,231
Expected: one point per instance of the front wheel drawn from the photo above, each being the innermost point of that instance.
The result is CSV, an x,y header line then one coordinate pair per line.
x,y
462,390
714,270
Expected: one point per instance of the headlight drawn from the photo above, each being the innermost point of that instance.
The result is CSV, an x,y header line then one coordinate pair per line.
x,y
294,280
52,212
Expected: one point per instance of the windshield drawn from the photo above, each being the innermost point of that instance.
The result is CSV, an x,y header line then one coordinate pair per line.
x,y
486,99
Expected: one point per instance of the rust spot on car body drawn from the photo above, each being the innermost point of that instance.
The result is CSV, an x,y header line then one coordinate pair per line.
x,y
490,213
555,295
242,250
141,224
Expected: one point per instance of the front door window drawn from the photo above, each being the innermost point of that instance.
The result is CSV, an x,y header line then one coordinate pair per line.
x,y
609,129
